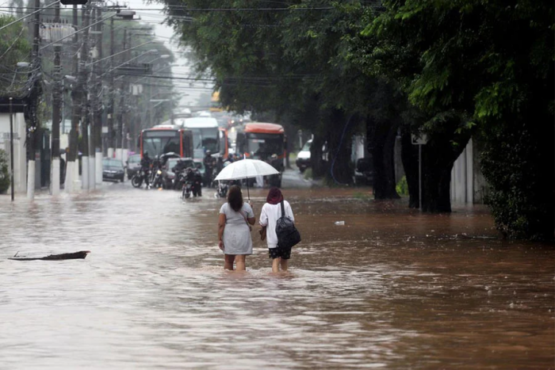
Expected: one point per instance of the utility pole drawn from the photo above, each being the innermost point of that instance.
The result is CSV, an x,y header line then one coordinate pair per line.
x,y
12,185
56,112
76,97
97,134
92,102
119,143
83,77
111,144
36,91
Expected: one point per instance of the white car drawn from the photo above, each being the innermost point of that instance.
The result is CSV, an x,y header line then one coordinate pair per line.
x,y
303,157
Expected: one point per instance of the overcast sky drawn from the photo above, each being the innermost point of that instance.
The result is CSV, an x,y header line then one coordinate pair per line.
x,y
166,34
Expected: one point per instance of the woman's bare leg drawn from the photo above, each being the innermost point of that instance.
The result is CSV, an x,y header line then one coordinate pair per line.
x,y
275,264
283,264
228,262
241,263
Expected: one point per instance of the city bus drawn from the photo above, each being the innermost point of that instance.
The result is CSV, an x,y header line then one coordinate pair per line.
x,y
161,140
207,135
260,141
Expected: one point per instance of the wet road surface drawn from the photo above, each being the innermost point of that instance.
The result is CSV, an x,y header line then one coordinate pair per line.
x,y
390,289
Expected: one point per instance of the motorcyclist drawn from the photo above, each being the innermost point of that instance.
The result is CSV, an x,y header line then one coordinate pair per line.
x,y
197,189
229,160
209,164
146,163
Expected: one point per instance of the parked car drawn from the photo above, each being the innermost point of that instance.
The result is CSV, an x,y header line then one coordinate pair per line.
x,y
133,165
112,170
303,157
364,172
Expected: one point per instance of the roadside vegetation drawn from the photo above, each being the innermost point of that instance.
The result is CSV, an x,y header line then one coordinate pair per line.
x,y
452,69
4,172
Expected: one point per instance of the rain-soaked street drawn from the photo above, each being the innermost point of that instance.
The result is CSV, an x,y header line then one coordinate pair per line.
x,y
391,288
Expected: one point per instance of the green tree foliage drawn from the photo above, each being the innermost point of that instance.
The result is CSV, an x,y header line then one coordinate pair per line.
x,y
14,48
486,67
287,58
4,172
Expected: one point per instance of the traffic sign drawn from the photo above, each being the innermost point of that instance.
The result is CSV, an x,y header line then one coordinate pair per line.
x,y
419,139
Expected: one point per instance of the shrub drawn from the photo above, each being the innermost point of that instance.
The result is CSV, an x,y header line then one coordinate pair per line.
x,y
4,172
402,187
308,174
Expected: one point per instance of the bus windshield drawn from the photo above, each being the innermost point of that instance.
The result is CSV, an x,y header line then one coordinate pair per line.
x,y
262,146
158,142
205,139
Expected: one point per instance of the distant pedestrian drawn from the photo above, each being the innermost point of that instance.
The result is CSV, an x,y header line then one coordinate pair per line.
x,y
270,213
234,230
209,165
146,163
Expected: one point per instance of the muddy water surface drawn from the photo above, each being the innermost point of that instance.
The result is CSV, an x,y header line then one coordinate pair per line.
x,y
391,288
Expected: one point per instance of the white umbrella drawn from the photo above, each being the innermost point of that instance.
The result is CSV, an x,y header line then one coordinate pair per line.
x,y
246,168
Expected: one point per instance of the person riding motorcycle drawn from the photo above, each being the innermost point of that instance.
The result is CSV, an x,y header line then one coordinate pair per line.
x,y
197,190
194,178
146,163
209,163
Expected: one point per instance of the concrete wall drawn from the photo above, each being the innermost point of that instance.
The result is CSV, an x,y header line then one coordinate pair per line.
x,y
20,156
467,181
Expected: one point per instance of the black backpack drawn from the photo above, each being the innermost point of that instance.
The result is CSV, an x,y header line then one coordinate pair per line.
x,y
287,234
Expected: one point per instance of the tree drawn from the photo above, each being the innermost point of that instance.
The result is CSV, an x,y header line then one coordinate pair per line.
x,y
290,61
484,67
4,172
14,48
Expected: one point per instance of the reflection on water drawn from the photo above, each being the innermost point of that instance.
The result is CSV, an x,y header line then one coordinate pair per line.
x,y
391,288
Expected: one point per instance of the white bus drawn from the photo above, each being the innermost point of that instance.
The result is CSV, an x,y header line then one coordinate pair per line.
x,y
207,136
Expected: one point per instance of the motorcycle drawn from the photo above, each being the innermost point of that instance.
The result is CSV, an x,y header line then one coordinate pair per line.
x,y
222,189
157,180
187,190
138,178
192,187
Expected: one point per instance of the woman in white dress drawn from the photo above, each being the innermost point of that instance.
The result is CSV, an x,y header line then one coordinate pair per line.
x,y
234,230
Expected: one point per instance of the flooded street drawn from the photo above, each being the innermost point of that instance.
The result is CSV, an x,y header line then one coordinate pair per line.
x,y
390,289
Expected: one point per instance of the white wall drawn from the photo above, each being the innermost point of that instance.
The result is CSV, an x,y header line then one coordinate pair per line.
x,y
20,156
466,179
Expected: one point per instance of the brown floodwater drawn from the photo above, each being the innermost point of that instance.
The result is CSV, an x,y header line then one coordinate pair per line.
x,y
391,288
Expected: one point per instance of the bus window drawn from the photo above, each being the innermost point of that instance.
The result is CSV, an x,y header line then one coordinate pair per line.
x,y
205,139
160,142
187,140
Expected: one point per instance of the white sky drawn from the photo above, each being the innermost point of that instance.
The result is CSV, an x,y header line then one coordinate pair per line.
x,y
165,34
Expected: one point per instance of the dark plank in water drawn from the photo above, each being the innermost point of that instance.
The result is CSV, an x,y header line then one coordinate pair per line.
x,y
55,257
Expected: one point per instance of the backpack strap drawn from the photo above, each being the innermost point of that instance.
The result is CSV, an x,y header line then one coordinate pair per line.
x,y
282,209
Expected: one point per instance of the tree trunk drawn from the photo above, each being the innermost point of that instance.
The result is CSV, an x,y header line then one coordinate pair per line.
x,y
339,147
381,141
438,157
